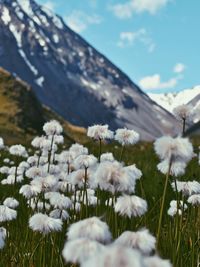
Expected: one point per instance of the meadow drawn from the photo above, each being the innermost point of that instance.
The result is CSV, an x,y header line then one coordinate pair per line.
x,y
71,184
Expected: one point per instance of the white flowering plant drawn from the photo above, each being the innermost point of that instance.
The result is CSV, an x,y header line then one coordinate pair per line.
x,y
99,205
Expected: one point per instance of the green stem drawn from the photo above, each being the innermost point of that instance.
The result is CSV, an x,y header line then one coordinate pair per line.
x,y
162,204
49,159
100,150
184,123
121,153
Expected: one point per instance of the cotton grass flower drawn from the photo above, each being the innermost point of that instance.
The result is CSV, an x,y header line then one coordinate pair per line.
x,y
37,141
91,228
7,214
130,206
77,178
187,188
29,191
44,224
4,170
66,157
107,157
38,205
78,150
172,211
99,132
176,168
12,179
183,112
3,234
60,201
115,256
141,240
194,199
155,261
84,161
53,127
113,177
18,150
127,137
59,214
80,250
175,149
34,172
1,143
11,202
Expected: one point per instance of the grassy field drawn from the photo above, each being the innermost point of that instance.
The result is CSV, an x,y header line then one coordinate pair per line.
x,y
27,248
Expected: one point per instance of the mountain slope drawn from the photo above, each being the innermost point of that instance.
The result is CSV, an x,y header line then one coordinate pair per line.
x,y
22,116
70,76
170,100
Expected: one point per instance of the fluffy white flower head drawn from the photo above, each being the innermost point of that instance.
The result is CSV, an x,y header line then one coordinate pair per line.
x,y
81,249
194,199
2,237
7,214
187,188
99,132
1,143
44,224
84,161
18,150
115,256
11,202
52,127
183,112
141,240
176,149
91,228
130,206
127,137
78,150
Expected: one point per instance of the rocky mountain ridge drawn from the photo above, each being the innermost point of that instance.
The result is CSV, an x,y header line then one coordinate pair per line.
x,y
70,76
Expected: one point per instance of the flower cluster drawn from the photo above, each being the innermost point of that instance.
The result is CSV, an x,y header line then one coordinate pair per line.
x,y
174,153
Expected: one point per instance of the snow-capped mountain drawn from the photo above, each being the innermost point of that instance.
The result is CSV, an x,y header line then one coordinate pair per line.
x,y
171,100
70,76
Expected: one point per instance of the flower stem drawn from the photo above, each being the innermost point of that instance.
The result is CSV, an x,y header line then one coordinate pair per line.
x,y
162,203
183,130
122,152
100,150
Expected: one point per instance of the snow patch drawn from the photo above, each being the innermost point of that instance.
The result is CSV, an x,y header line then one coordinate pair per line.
x,y
40,81
6,16
31,67
26,7
57,21
19,13
56,38
17,34
171,100
90,84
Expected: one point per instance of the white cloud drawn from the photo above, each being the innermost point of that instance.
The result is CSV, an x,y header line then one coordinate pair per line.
x,y
127,9
179,68
154,82
79,21
141,35
50,5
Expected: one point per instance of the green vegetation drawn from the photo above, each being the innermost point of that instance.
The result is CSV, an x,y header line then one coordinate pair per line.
x,y
24,247
22,116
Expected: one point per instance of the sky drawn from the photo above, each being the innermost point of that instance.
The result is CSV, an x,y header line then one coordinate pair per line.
x,y
155,42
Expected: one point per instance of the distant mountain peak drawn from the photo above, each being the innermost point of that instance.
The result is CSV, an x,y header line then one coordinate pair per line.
x,y
173,99
70,76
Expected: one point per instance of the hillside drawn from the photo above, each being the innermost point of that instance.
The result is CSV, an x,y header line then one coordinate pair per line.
x,y
70,76
22,116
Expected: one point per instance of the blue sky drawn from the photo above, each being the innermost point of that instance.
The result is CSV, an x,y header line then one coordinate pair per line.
x,y
155,42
